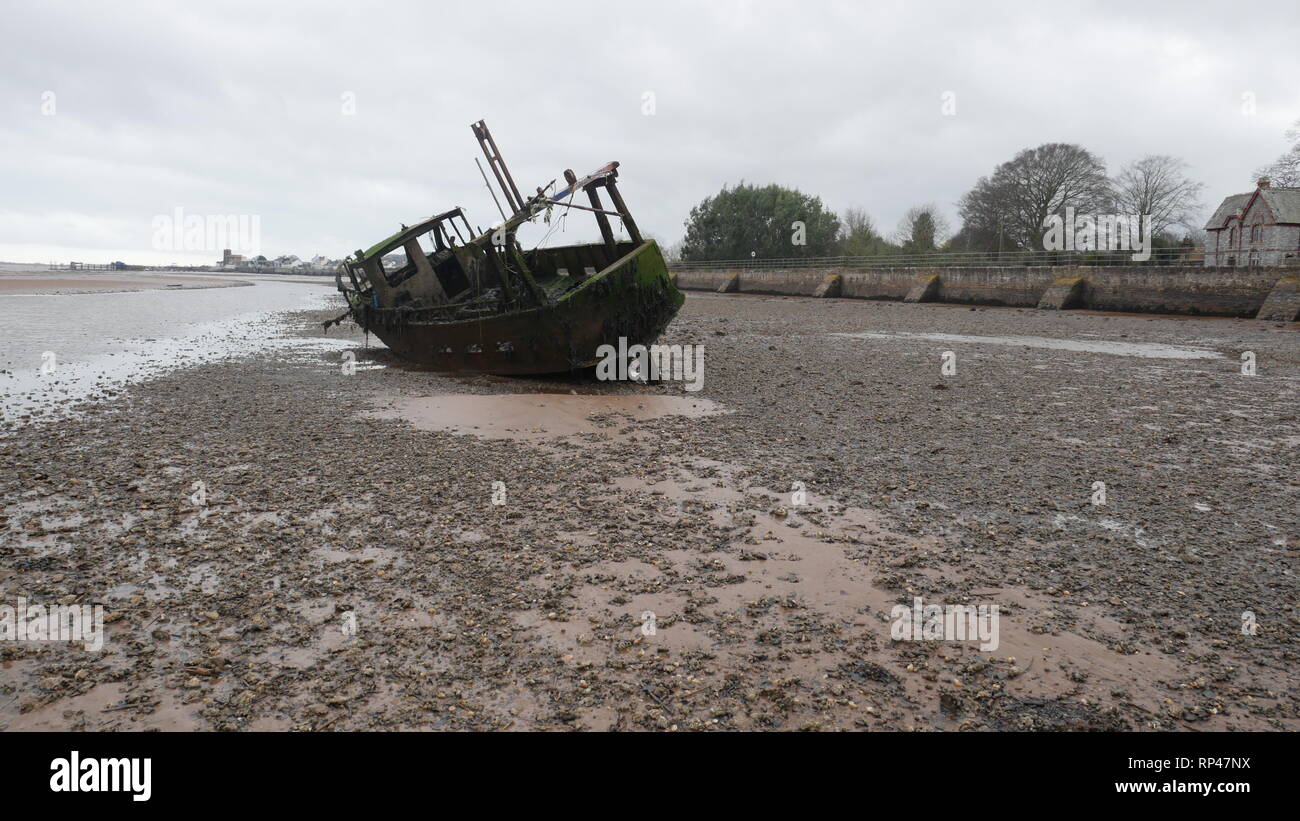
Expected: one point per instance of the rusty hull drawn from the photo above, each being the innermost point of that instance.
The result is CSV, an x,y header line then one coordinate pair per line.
x,y
632,298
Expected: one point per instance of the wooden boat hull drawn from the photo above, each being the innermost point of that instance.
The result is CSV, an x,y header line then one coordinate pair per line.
x,y
633,298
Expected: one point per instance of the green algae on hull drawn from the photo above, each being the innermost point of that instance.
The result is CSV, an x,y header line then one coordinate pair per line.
x,y
632,298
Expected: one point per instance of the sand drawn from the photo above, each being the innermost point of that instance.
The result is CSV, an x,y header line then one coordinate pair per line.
x,y
73,282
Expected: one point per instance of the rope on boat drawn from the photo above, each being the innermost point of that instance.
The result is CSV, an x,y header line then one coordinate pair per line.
x,y
338,319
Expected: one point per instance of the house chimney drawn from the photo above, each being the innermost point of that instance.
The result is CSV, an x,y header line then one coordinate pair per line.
x,y
1263,182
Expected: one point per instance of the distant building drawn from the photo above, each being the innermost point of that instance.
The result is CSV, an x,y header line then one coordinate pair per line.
x,y
1258,228
229,260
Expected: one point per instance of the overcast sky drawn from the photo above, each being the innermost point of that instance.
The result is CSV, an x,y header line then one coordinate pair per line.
x,y
239,108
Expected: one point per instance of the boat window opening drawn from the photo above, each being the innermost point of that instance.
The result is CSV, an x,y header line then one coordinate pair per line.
x,y
396,265
395,260
456,228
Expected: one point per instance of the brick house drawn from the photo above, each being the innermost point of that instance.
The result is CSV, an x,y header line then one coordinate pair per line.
x,y
1258,228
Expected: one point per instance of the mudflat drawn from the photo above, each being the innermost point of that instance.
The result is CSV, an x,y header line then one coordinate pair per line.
x,y
72,282
390,548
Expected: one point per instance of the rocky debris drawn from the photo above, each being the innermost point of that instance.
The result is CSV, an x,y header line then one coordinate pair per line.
x,y
350,573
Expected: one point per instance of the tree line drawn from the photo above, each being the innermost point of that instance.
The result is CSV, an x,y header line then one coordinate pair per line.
x,y
1004,211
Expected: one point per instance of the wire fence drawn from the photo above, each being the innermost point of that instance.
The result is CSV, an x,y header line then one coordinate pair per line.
x,y
1159,256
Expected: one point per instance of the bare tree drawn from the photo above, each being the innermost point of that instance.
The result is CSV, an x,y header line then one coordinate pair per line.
x,y
1158,185
922,229
1023,192
855,221
1284,172
858,235
673,252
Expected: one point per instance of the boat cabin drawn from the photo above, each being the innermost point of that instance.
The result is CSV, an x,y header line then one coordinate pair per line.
x,y
452,272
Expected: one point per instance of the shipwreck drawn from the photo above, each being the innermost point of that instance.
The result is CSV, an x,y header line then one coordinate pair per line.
x,y
443,294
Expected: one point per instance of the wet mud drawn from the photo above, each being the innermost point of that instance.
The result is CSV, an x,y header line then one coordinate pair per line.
x,y
397,549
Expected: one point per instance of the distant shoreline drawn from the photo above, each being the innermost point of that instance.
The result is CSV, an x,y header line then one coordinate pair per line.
x,y
72,282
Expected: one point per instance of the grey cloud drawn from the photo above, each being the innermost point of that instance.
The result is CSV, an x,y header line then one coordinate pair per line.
x,y
236,107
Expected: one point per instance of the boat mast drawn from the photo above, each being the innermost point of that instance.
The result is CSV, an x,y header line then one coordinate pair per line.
x,y
489,188
506,257
498,166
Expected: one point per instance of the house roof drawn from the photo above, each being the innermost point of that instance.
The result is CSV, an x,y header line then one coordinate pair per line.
x,y
1283,202
1231,207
